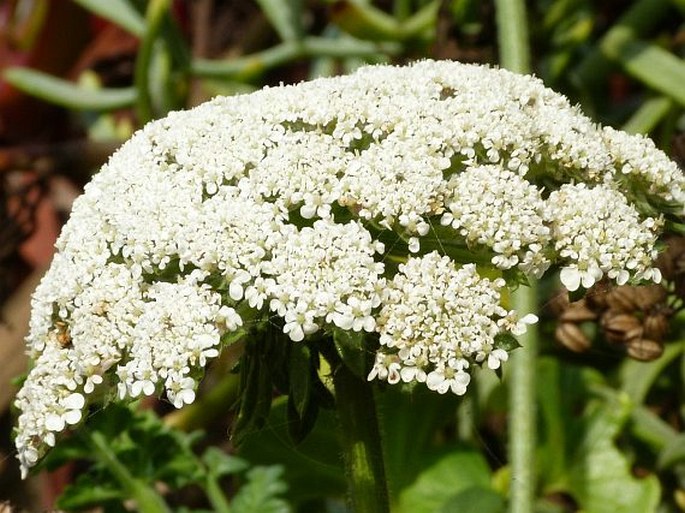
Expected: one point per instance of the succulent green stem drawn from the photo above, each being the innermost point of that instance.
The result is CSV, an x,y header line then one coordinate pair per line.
x,y
154,18
216,495
361,439
250,66
146,499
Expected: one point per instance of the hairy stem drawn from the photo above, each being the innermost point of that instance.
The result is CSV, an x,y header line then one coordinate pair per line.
x,y
522,411
361,439
514,52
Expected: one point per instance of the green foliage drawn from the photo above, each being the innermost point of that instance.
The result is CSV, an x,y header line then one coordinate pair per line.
x,y
439,486
119,12
312,468
577,453
140,452
68,94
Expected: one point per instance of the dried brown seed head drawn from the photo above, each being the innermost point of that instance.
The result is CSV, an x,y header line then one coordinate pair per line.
x,y
572,337
644,349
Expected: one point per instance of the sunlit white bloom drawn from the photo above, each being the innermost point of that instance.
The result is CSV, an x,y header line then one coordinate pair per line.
x,y
281,204
497,208
437,318
597,232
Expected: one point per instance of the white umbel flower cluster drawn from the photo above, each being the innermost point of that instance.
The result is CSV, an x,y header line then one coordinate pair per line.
x,y
436,321
497,208
288,204
614,241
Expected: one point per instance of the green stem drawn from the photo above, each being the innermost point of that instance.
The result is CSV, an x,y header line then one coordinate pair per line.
x,y
522,411
361,439
514,52
216,495
512,35
154,17
250,66
146,499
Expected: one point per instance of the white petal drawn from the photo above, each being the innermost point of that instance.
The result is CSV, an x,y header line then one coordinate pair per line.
x,y
235,290
74,402
529,319
54,422
570,278
72,417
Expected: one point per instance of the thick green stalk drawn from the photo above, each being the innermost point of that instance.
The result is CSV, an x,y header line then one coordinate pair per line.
x,y
361,439
146,499
512,35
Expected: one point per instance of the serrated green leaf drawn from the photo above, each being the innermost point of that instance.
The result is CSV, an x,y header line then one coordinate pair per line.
x,y
261,493
119,12
87,492
220,464
70,449
67,94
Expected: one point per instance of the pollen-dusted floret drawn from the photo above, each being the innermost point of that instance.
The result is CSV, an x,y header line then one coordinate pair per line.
x,y
278,204
597,232
436,321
